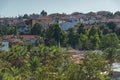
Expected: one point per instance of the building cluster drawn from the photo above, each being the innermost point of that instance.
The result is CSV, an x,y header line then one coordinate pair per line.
x,y
12,39
66,21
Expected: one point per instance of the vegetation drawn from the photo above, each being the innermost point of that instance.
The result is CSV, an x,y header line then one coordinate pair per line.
x,y
7,30
51,63
44,13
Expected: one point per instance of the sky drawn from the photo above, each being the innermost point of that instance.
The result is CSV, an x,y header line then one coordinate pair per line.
x,y
9,8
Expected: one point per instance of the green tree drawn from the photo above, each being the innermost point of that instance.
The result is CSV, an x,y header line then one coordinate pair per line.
x,y
109,40
112,26
51,63
72,38
37,29
47,63
94,65
117,13
94,37
104,29
81,29
44,13
110,54
8,31
26,16
1,44
83,42
3,31
117,31
55,33
16,55
117,55
92,31
95,42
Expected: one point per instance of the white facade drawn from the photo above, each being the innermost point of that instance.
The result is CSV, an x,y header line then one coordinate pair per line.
x,y
116,67
5,46
69,23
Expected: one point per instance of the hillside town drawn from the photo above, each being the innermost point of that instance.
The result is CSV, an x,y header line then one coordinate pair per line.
x,y
24,23
66,21
65,45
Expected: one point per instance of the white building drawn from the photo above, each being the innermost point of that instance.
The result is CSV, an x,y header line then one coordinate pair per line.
x,y
116,70
5,46
69,23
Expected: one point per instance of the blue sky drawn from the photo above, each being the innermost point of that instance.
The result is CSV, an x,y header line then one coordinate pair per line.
x,y
19,7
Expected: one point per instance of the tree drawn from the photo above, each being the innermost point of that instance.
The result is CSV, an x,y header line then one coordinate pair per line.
x,y
26,16
1,44
16,56
112,26
104,29
72,38
110,54
37,29
110,15
95,42
8,31
82,42
47,63
117,13
94,65
117,56
94,37
44,13
3,31
55,33
51,63
81,29
93,31
109,40
117,31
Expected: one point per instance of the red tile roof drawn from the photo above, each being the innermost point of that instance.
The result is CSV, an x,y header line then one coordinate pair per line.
x,y
19,38
76,58
7,18
73,51
44,18
28,36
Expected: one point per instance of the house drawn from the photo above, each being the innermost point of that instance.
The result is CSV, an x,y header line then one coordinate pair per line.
x,y
69,23
8,21
76,56
73,51
116,71
44,21
20,38
103,13
5,46
28,39
22,29
11,38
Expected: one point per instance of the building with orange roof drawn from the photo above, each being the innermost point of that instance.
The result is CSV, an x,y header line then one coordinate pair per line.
x,y
20,38
76,56
44,21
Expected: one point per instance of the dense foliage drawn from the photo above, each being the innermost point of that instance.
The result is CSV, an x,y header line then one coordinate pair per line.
x,y
51,63
80,37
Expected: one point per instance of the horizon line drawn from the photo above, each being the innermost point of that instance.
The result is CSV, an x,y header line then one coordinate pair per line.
x,y
3,16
